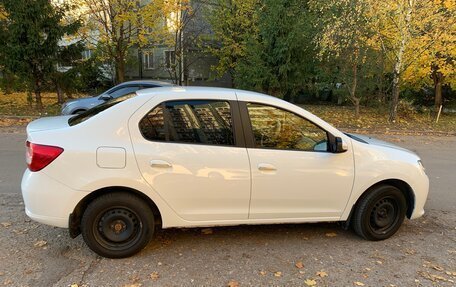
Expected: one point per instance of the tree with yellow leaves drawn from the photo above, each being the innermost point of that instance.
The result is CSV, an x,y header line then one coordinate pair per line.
x,y
418,37
114,26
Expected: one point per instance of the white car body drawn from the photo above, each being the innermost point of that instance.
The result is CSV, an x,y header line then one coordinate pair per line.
x,y
206,185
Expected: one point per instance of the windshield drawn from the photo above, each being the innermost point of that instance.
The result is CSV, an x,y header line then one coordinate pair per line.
x,y
98,109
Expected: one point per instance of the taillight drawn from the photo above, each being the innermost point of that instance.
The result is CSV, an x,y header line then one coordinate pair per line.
x,y
39,156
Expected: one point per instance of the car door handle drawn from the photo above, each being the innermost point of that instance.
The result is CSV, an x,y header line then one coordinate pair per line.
x,y
160,163
266,167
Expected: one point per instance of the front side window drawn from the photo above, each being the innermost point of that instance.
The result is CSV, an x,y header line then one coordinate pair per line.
x,y
275,128
197,121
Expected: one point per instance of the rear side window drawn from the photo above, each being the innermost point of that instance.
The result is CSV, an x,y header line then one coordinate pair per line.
x,y
97,109
196,122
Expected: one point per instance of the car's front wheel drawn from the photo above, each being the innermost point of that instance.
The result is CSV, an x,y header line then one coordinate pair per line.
x,y
379,213
117,225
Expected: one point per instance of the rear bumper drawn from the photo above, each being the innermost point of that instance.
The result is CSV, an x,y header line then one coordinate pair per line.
x,y
47,200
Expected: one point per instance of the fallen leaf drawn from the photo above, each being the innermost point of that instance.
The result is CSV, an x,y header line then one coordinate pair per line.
x,y
40,243
278,274
262,273
450,273
74,285
432,277
310,282
299,265
154,275
379,262
233,283
357,283
207,231
322,274
331,234
6,224
438,268
133,285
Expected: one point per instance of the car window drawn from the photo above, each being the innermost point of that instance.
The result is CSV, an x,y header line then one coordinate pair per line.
x,y
280,129
97,109
123,91
195,121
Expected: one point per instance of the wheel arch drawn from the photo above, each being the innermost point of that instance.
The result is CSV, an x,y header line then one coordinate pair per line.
x,y
403,186
74,220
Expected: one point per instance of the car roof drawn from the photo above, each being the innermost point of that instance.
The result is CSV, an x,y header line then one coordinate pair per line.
x,y
150,82
197,89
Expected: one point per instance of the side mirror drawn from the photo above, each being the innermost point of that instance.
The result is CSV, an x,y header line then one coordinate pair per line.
x,y
337,145
105,98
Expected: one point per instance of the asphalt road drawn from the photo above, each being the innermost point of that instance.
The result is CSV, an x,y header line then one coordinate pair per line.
x,y
437,153
422,253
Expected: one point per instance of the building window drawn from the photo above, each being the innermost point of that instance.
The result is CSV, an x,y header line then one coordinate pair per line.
x,y
86,54
148,60
170,59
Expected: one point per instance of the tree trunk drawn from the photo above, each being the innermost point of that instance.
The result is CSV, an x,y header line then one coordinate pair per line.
x,y
120,70
37,90
356,102
394,98
398,66
352,90
438,81
60,95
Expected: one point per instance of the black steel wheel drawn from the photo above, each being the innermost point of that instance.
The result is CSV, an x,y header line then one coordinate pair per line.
x,y
117,225
379,213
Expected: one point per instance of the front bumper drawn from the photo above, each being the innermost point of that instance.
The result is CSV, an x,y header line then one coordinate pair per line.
x,y
47,200
421,191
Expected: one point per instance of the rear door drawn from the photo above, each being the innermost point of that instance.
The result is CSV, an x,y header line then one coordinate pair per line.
x,y
191,152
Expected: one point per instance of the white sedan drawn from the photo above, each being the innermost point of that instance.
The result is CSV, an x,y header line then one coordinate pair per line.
x,y
193,157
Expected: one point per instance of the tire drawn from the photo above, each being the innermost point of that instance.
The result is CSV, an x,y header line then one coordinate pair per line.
x,y
379,213
117,225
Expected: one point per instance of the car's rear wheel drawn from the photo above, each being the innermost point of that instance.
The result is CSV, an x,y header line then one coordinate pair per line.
x,y
117,225
379,213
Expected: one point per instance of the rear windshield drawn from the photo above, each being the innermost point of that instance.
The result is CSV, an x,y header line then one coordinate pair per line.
x,y
98,109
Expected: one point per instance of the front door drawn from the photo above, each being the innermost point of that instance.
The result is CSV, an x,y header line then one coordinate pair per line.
x,y
189,155
293,174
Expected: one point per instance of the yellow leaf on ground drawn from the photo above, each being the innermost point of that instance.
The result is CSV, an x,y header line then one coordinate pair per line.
x,y
299,265
154,275
357,283
40,243
207,231
331,234
310,282
278,274
322,274
233,283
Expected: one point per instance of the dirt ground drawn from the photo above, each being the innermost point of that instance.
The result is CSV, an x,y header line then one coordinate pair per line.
x,y
422,253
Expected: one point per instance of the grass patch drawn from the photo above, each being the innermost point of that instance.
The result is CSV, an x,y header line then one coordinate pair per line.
x,y
371,119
